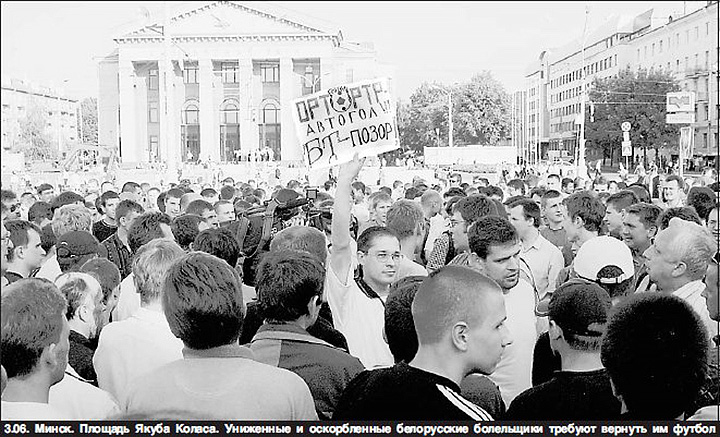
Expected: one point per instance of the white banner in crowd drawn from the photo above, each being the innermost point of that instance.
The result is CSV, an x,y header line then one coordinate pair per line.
x,y
335,123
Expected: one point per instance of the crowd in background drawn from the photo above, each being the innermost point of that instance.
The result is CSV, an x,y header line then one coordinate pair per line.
x,y
540,298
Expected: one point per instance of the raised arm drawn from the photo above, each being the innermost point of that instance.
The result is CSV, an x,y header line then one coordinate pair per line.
x,y
340,252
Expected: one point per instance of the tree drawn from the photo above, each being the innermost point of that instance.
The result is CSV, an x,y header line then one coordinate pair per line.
x,y
482,109
634,96
481,114
89,121
35,143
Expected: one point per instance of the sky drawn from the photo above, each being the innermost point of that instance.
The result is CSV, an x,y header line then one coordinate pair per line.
x,y
57,44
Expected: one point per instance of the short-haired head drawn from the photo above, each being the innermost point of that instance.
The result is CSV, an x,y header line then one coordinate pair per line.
x,y
586,206
655,350
203,302
472,208
405,217
448,296
32,316
71,218
371,234
622,199
286,283
686,213
146,228
107,274
488,232
185,229
530,209
79,289
399,325
302,238
219,242
150,264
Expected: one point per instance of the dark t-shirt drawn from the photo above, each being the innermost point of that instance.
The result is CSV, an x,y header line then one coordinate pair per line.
x,y
403,392
102,230
545,362
568,396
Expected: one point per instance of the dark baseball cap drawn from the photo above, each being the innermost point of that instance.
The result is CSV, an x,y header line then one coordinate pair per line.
x,y
580,307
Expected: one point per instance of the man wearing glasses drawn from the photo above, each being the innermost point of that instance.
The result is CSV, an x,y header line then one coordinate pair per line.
x,y
9,200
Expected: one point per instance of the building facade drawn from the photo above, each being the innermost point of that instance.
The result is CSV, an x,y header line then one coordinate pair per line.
x,y
24,101
215,83
685,46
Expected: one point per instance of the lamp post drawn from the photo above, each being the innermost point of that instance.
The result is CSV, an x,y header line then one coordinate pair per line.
x,y
580,163
450,117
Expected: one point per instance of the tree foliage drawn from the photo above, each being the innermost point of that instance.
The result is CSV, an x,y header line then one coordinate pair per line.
x,y
35,143
480,108
89,132
634,96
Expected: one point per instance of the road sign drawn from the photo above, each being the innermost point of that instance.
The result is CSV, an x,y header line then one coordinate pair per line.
x,y
625,126
626,148
683,101
680,118
626,136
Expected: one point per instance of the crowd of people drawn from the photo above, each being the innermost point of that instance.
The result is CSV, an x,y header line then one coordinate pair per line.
x,y
541,298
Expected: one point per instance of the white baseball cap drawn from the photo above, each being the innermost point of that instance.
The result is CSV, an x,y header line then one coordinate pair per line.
x,y
600,252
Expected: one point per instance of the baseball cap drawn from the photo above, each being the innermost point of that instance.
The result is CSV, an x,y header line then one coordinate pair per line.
x,y
600,252
286,195
76,247
580,307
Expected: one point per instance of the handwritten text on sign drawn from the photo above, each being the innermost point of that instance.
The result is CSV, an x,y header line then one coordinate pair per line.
x,y
334,124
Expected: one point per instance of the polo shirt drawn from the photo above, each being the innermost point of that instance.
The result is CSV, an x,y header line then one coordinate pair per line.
x,y
223,383
513,373
569,395
404,392
326,369
133,347
360,318
545,261
13,277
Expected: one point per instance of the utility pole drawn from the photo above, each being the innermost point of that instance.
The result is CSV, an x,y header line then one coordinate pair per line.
x,y
581,165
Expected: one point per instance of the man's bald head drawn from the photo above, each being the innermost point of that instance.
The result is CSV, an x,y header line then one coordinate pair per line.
x,y
450,295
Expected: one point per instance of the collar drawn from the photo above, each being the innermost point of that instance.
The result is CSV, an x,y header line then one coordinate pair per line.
x,y
227,351
286,331
687,290
536,244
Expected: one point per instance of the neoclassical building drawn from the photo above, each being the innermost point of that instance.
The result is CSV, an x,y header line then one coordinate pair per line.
x,y
215,82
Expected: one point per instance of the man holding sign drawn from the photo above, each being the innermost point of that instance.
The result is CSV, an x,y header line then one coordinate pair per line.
x,y
334,124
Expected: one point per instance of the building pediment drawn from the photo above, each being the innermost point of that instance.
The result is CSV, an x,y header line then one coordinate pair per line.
x,y
228,19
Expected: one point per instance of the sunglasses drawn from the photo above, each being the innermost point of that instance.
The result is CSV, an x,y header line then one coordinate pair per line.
x,y
14,208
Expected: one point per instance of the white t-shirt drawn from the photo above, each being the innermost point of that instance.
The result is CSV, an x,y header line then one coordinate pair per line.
x,y
80,399
513,374
359,318
31,411
128,301
133,347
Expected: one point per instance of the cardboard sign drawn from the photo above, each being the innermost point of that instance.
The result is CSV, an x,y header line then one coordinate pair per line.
x,y
332,125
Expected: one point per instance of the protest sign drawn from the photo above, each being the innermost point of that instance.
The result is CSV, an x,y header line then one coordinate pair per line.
x,y
332,125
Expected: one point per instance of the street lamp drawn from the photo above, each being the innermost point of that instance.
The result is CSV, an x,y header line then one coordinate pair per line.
x,y
450,117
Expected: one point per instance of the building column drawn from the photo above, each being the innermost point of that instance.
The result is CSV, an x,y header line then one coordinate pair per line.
x,y
129,147
209,143
248,112
166,144
289,90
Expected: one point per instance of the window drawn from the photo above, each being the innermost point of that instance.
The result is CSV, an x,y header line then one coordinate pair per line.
x,y
270,114
706,107
645,52
190,73
153,151
653,50
686,63
705,138
687,36
229,113
153,112
230,72
697,33
697,60
191,114
707,59
707,28
677,66
677,39
153,81
660,44
270,73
